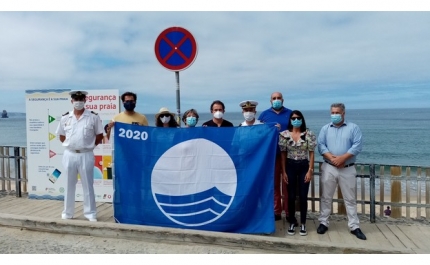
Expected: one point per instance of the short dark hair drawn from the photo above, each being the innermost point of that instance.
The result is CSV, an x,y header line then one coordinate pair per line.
x,y
128,94
219,102
298,113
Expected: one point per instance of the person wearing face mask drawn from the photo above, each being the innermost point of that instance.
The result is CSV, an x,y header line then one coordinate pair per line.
x,y
190,118
80,131
217,109
249,111
165,118
281,115
339,142
297,145
128,115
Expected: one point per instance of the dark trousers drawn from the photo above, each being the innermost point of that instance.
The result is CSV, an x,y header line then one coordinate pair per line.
x,y
296,172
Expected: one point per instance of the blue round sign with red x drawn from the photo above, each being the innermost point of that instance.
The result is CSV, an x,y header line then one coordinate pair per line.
x,y
176,48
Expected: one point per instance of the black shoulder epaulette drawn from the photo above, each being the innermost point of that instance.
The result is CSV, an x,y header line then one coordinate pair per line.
x,y
67,113
94,113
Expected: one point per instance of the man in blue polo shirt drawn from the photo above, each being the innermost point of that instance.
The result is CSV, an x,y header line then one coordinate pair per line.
x,y
339,142
281,115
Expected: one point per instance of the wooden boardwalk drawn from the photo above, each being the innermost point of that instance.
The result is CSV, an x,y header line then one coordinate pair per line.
x,y
408,238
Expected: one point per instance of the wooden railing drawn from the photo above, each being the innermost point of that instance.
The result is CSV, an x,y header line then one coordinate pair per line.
x,y
406,189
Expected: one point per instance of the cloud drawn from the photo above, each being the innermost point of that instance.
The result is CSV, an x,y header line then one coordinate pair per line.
x,y
366,59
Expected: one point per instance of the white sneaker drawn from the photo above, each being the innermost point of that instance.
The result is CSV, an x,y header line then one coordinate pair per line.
x,y
92,219
65,217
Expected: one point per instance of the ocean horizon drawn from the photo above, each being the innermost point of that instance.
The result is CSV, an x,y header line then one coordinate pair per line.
x,y
397,136
259,110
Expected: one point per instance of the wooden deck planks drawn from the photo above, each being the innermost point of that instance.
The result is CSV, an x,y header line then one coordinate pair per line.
x,y
379,235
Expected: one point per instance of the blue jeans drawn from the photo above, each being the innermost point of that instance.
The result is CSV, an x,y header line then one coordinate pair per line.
x,y
296,172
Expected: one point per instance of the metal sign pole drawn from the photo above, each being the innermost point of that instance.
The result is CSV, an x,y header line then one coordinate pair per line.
x,y
176,49
178,101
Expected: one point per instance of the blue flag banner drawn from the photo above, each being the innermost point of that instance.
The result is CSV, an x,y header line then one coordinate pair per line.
x,y
205,178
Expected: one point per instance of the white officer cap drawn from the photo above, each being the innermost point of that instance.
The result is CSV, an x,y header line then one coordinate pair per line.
x,y
78,93
248,104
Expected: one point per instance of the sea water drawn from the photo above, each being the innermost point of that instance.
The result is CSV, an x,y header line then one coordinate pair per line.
x,y
390,136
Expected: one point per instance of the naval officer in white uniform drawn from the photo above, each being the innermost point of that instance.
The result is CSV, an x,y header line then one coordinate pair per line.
x,y
249,110
80,131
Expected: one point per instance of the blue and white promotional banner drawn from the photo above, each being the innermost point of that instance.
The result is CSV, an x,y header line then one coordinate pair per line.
x,y
205,178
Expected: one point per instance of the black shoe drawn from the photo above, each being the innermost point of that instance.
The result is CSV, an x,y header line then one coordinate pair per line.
x,y
278,217
322,229
357,232
303,230
292,230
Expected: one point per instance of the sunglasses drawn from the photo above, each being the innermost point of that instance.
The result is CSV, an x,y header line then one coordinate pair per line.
x,y
296,118
164,115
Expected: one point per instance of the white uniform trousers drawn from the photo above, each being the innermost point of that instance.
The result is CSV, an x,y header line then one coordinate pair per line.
x,y
345,177
82,163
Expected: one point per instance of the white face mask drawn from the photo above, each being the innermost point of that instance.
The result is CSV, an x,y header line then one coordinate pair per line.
x,y
218,115
78,105
165,119
249,116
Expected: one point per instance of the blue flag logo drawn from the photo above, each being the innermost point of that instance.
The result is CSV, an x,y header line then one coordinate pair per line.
x,y
194,182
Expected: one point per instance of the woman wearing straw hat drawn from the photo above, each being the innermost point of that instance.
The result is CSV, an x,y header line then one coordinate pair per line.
x,y
165,118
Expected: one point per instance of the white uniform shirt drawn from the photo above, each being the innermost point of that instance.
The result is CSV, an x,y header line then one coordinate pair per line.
x,y
255,123
80,134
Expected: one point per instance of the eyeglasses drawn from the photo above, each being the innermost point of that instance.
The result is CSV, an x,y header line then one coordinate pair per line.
x,y
164,115
296,118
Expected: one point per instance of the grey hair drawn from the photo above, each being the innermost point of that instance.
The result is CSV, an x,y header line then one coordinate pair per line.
x,y
184,117
338,105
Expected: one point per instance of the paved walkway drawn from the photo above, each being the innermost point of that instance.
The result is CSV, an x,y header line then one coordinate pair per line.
x,y
382,237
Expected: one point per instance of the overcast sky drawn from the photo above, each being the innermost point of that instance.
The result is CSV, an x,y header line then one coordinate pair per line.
x,y
364,59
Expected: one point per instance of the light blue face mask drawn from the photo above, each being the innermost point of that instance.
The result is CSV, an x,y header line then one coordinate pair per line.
x,y
296,123
191,121
277,104
336,118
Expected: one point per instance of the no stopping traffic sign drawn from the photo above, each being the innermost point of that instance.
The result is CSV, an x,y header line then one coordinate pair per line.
x,y
176,48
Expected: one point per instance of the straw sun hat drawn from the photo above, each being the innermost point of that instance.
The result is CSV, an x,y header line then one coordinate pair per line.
x,y
164,111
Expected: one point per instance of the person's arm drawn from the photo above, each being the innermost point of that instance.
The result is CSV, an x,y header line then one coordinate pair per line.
x,y
312,143
283,166
310,172
282,143
144,120
60,132
109,128
98,129
322,144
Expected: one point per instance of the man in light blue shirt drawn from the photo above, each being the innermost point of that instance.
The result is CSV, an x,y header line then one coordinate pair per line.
x,y
339,142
